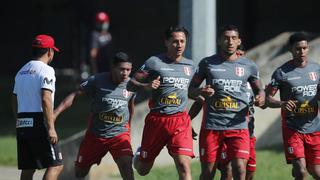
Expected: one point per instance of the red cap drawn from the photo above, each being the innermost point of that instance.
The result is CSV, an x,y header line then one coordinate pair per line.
x,y
102,17
44,41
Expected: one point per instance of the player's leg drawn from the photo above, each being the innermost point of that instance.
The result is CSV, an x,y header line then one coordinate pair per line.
x,y
121,151
52,173
208,170
154,138
124,164
91,151
238,143
180,144
224,164
182,163
226,171
299,169
209,148
251,166
295,152
27,174
312,149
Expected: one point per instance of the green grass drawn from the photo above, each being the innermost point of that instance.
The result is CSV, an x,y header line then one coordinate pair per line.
x,y
8,151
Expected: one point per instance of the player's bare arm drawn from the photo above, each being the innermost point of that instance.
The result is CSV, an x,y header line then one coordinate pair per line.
x,y
196,91
137,82
47,107
131,108
67,102
274,103
260,96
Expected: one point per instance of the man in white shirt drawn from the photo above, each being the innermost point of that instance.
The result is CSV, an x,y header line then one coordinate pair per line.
x,y
32,103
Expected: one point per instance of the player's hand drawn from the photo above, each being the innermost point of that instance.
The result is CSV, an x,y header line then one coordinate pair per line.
x,y
194,134
259,100
207,91
154,84
289,105
53,137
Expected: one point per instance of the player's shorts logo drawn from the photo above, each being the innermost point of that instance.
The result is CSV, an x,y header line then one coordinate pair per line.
x,y
125,93
313,76
187,71
240,71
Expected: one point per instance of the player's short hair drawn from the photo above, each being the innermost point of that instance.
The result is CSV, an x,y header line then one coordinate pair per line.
x,y
228,27
171,29
298,36
38,52
121,57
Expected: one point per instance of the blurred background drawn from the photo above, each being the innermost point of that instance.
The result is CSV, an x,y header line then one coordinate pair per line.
x,y
137,28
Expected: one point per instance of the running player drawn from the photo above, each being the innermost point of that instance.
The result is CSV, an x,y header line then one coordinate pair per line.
x,y
298,83
32,102
225,119
109,122
168,123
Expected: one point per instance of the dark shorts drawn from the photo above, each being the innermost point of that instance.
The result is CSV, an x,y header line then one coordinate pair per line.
x,y
35,150
173,131
93,148
38,153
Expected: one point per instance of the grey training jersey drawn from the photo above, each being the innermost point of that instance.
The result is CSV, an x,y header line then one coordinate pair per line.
x,y
301,85
172,95
109,106
228,107
251,110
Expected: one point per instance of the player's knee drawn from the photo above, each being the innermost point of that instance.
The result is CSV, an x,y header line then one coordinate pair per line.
x,y
300,172
81,173
143,171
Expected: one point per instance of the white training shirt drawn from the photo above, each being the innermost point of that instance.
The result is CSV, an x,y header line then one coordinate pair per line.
x,y
29,82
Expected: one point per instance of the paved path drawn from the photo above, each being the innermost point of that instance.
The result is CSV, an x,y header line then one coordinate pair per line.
x,y
12,173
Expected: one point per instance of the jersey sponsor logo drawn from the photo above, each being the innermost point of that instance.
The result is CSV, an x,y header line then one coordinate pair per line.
x,y
313,76
172,99
29,71
187,70
24,122
229,84
115,103
126,93
239,71
84,84
47,81
304,108
307,90
110,117
180,83
226,103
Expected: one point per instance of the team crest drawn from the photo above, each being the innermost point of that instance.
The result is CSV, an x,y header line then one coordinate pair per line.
x,y
313,76
240,71
187,71
125,93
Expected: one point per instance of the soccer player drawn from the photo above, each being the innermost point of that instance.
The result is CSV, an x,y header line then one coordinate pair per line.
x,y
109,126
32,103
168,124
298,83
225,118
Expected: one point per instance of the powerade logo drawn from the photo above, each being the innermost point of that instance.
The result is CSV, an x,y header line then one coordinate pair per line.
x,y
229,84
115,103
308,90
180,83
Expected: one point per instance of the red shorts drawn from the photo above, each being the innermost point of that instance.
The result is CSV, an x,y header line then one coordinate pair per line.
x,y
173,131
251,165
210,143
299,145
93,148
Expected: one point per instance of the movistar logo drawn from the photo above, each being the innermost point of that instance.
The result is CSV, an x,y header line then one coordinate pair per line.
x,y
47,81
